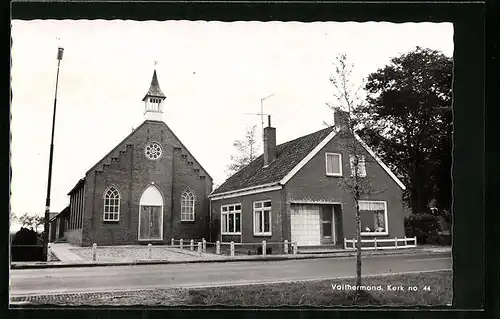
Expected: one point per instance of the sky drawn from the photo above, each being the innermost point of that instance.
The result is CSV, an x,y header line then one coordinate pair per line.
x,y
214,75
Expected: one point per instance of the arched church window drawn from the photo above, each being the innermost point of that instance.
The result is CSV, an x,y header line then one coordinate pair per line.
x,y
187,205
111,204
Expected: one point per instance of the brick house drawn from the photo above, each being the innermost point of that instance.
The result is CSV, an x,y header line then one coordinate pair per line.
x,y
147,189
292,192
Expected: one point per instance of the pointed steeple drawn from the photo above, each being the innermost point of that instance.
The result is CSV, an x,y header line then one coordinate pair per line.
x,y
153,100
154,89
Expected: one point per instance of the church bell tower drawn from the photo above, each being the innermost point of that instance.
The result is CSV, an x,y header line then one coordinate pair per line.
x,y
153,101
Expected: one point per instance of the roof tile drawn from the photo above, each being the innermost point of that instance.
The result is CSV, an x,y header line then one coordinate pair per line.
x,y
289,154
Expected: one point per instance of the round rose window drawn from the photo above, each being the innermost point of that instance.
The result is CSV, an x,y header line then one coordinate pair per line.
x,y
153,151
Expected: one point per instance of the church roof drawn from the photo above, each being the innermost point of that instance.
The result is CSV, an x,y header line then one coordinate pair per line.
x,y
77,186
154,88
53,215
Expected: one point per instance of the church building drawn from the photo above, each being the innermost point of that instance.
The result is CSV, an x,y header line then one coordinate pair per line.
x,y
148,189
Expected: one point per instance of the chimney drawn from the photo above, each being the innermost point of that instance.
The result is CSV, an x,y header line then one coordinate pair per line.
x,y
341,119
269,143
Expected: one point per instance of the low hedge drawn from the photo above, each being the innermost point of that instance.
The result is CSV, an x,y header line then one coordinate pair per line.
x,y
425,227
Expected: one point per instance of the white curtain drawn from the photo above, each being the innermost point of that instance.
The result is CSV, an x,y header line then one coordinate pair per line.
x,y
371,206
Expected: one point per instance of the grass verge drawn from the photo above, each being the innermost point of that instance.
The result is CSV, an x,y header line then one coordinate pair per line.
x,y
294,294
322,294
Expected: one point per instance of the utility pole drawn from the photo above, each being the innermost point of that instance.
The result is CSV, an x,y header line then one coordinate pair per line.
x,y
46,237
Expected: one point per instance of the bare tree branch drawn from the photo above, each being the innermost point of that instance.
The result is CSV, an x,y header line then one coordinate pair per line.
x,y
246,151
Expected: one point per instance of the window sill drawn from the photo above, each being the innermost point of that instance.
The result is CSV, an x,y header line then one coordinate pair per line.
x,y
231,234
151,239
263,234
188,221
333,175
375,234
111,221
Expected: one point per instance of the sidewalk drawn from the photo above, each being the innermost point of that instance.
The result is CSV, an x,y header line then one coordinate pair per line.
x,y
63,253
69,259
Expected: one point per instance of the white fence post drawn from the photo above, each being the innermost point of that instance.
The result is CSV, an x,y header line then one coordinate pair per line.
x,y
294,244
415,238
181,243
199,248
232,249
48,252
263,248
406,241
375,242
150,251
204,248
172,242
345,243
286,247
94,252
191,245
396,242
217,247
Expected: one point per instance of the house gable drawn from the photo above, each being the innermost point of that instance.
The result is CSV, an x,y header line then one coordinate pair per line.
x,y
379,161
322,145
312,182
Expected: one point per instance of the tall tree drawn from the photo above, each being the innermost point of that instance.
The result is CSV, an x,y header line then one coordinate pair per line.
x,y
246,151
409,110
346,105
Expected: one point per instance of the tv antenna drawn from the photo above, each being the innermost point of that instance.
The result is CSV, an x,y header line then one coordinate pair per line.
x,y
262,110
262,115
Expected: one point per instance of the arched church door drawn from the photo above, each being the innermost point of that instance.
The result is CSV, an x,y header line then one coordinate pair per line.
x,y
151,214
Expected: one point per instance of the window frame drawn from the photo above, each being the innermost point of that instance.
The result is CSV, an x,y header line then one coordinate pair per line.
x,y
155,103
361,161
262,210
340,164
151,146
386,221
109,213
227,213
188,192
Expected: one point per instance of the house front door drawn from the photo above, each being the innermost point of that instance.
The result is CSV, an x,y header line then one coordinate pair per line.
x,y
327,225
151,214
150,220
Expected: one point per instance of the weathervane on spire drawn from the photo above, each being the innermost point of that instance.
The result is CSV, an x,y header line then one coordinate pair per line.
x,y
156,63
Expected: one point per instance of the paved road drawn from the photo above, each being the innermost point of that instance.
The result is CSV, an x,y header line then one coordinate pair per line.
x,y
118,278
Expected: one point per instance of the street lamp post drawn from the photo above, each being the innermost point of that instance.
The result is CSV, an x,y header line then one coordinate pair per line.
x,y
60,52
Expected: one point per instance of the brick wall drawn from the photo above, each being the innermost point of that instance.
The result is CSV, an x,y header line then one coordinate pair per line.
x,y
311,184
247,224
131,172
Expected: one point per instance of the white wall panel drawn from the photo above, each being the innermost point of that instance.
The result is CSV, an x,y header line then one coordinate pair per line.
x,y
305,224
